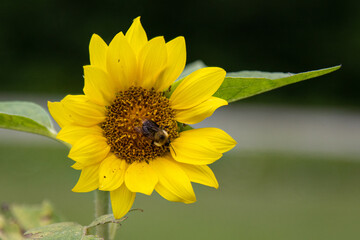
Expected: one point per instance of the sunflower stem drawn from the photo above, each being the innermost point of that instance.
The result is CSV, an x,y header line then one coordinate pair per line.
x,y
112,230
102,208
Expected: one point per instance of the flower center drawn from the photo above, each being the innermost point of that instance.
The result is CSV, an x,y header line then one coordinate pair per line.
x,y
139,125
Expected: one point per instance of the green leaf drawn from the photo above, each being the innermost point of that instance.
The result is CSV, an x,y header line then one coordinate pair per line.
x,y
27,117
184,127
31,216
17,218
243,84
9,229
65,230
104,219
71,230
59,231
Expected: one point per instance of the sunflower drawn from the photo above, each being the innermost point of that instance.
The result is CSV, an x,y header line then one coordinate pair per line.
x,y
125,130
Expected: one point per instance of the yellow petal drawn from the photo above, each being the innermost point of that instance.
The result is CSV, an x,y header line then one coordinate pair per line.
x,y
141,178
82,111
193,148
196,88
89,179
89,150
176,51
200,174
59,114
99,87
98,50
198,113
218,139
152,61
73,133
77,166
111,173
136,36
167,194
121,62
121,201
174,180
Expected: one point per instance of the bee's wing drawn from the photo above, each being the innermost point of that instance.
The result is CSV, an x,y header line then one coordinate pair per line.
x,y
151,125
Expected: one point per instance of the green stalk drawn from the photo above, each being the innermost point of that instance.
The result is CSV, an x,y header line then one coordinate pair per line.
x,y
112,230
102,208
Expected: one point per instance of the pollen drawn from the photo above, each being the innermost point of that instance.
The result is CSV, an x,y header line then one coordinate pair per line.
x,y
124,123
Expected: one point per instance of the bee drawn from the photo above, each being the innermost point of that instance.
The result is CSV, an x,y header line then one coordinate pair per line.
x,y
151,130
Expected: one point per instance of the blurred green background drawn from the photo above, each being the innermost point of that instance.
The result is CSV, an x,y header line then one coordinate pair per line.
x,y
266,191
262,195
44,44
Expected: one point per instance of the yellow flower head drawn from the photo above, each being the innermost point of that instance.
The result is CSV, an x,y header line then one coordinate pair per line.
x,y
124,130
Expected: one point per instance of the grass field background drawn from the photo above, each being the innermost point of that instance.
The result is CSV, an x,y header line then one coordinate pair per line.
x,y
262,195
